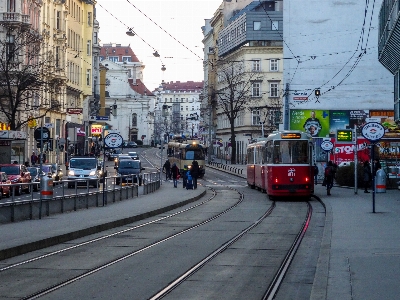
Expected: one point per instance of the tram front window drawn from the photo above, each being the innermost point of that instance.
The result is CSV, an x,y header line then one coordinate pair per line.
x,y
194,155
291,152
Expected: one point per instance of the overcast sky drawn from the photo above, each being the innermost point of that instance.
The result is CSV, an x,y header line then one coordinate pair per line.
x,y
182,19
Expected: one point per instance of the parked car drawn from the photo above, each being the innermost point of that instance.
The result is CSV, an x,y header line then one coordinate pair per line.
x,y
17,173
35,177
133,155
53,170
131,144
5,188
129,167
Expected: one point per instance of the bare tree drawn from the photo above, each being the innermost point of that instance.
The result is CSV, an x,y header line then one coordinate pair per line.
x,y
237,86
23,76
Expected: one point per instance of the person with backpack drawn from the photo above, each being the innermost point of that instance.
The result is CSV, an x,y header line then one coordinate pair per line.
x,y
328,179
194,170
167,168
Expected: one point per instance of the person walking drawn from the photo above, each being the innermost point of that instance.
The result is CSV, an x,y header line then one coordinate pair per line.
x,y
175,173
194,170
34,158
167,168
367,175
184,175
329,174
316,171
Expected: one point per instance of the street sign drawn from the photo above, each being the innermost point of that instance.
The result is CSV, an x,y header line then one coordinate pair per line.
x,y
102,118
327,145
48,125
113,140
373,131
344,135
41,133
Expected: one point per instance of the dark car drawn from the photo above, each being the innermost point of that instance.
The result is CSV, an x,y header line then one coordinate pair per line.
x,y
121,157
131,145
17,173
54,171
114,154
35,177
129,167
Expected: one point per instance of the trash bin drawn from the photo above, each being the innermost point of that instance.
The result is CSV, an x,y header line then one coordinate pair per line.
x,y
47,188
380,181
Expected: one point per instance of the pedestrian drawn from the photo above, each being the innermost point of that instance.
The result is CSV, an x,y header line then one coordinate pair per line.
x,y
34,158
43,156
167,168
316,174
367,175
377,165
184,176
175,174
194,170
328,177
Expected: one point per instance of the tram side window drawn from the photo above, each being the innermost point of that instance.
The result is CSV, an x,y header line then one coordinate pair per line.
x,y
269,153
250,155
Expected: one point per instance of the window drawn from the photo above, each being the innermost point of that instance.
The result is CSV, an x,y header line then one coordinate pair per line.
x,y
58,20
256,65
95,37
113,58
255,117
256,25
273,89
126,58
134,120
88,47
101,58
57,58
88,77
89,18
11,6
10,47
256,89
273,65
275,25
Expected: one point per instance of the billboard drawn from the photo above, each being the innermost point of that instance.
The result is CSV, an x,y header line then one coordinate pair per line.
x,y
315,122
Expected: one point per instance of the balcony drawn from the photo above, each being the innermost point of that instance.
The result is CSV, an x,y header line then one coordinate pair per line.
x,y
15,18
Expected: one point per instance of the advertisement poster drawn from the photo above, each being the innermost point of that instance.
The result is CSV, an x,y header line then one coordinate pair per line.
x,y
314,122
339,119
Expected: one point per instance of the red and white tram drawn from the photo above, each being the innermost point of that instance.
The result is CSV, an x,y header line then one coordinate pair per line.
x,y
281,165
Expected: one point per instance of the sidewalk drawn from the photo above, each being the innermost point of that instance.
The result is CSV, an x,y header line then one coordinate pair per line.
x,y
22,237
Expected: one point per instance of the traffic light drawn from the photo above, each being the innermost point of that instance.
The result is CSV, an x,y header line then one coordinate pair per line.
x,y
113,109
317,92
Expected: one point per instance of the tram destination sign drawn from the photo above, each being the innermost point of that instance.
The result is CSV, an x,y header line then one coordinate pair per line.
x,y
344,136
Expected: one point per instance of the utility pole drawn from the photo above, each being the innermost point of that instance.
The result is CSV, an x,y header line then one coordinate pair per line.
x,y
286,116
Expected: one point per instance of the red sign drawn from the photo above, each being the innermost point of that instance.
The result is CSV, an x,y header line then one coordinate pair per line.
x,y
74,111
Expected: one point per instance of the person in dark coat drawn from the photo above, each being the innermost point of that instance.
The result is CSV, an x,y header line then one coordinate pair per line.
x,y
329,175
34,158
316,174
377,165
167,168
367,175
175,173
194,170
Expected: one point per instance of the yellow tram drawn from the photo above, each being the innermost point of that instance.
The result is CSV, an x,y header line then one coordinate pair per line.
x,y
183,153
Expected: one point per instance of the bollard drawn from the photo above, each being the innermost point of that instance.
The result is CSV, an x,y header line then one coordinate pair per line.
x,y
380,181
46,191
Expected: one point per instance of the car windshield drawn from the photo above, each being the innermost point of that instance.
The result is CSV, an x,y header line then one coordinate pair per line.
x,y
129,164
46,169
86,164
10,170
33,171
134,154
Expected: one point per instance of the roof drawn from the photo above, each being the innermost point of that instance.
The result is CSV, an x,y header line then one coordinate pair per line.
x,y
118,50
184,86
139,87
253,5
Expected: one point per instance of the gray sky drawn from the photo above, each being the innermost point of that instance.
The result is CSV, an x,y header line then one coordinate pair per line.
x,y
182,19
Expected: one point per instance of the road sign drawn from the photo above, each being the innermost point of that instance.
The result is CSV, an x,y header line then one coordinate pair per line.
x,y
41,133
102,118
327,145
113,140
48,125
344,135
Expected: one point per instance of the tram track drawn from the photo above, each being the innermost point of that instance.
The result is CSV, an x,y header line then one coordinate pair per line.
x,y
32,263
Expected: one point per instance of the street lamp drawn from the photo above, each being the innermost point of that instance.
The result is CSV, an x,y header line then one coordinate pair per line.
x,y
130,32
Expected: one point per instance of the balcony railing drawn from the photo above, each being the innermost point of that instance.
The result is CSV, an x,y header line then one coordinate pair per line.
x,y
15,17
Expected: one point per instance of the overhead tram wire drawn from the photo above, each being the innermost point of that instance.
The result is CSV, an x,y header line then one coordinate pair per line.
x,y
130,29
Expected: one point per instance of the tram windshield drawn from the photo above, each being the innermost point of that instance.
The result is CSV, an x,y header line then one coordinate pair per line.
x,y
194,154
290,152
